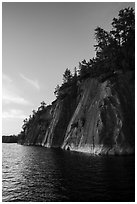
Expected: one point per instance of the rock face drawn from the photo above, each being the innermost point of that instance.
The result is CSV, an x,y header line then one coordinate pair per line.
x,y
97,117
103,122
61,112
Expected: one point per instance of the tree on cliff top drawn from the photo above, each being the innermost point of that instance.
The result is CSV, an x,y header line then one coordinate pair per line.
x,y
67,76
43,106
124,26
116,49
56,92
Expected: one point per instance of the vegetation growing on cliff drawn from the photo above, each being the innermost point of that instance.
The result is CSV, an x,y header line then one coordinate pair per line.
x,y
28,123
115,50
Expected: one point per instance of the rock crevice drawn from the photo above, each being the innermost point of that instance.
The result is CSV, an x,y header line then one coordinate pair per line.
x,y
98,118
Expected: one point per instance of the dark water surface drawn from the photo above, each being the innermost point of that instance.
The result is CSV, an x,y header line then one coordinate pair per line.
x,y
41,174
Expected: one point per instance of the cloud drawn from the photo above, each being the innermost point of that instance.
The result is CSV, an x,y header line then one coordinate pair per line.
x,y
13,98
33,83
6,78
13,113
10,92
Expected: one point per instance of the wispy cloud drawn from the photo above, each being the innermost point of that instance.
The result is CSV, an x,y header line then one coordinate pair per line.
x,y
6,78
13,98
10,92
13,113
32,82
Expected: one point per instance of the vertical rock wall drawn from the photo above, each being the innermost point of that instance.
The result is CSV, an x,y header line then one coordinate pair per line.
x,y
61,115
96,117
103,122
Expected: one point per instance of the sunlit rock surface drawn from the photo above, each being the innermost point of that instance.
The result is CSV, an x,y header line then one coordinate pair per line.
x,y
96,117
103,122
61,113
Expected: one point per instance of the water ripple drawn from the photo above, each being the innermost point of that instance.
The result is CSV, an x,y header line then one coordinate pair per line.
x,y
38,174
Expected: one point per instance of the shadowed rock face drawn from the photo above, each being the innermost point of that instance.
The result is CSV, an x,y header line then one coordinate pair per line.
x,y
98,118
62,112
36,130
103,122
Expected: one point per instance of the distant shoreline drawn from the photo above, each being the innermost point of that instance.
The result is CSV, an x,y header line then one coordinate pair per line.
x,y
9,139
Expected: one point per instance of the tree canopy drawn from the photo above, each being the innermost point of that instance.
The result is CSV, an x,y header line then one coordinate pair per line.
x,y
115,50
67,76
117,47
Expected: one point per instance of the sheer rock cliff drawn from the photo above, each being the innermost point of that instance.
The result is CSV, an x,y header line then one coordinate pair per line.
x,y
96,115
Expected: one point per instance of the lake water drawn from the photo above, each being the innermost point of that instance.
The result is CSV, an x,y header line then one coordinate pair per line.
x,y
41,174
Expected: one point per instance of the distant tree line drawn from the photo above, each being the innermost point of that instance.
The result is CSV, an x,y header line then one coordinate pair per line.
x,y
9,139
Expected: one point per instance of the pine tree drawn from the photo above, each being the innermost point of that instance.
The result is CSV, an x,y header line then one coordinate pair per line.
x,y
67,76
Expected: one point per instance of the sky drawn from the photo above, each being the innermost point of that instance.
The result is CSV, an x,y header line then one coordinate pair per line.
x,y
39,41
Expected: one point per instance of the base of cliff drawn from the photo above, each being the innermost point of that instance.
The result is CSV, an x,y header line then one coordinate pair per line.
x,y
102,150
